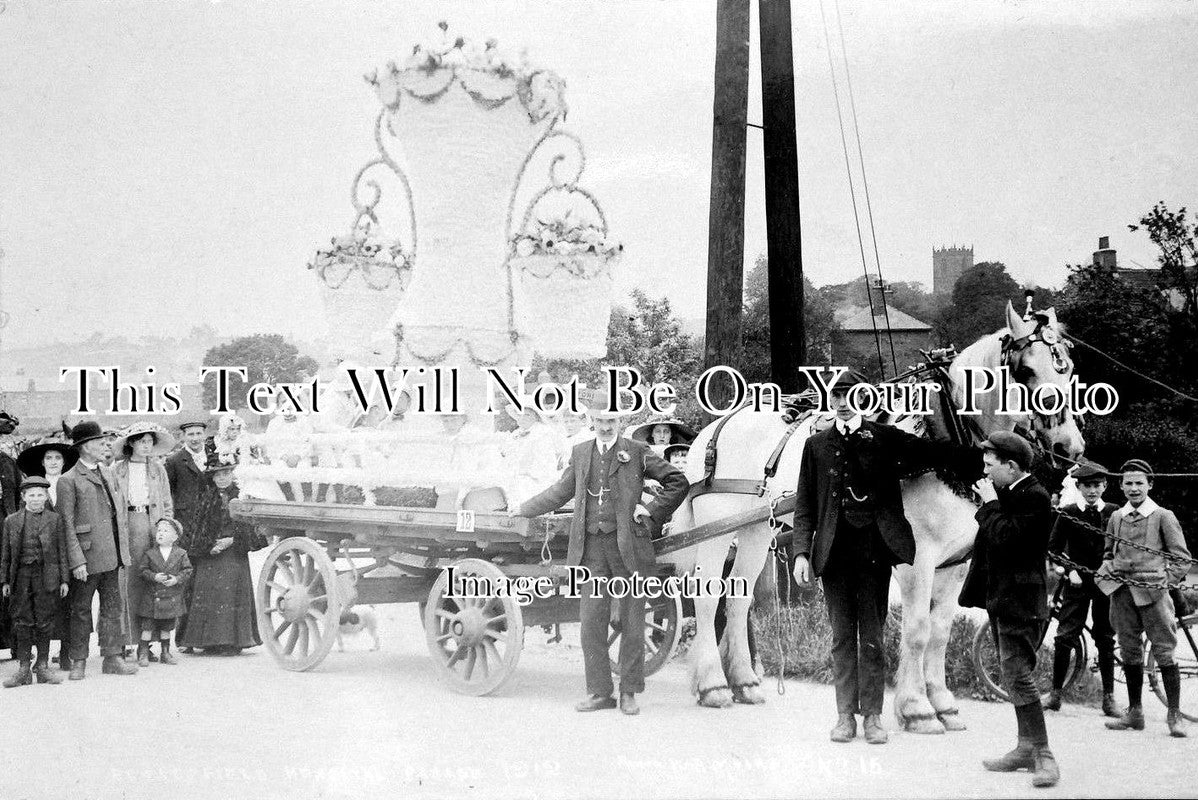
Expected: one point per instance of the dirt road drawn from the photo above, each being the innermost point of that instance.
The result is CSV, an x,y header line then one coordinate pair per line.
x,y
380,724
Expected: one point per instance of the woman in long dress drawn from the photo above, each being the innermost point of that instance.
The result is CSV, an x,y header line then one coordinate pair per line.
x,y
221,619
143,496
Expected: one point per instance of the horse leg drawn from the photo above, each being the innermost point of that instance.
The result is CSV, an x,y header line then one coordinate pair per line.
x,y
707,673
945,587
911,706
751,552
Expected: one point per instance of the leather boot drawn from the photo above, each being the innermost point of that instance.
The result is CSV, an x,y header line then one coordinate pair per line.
x,y
168,657
44,674
1022,757
846,729
874,732
64,662
1053,701
115,665
78,670
23,676
1176,722
1045,770
1131,720
628,704
1109,707
596,703
143,654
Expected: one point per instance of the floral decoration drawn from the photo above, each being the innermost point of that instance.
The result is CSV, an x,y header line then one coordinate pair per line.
x,y
565,236
379,260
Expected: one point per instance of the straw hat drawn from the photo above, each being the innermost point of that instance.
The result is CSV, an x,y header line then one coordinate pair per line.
x,y
163,441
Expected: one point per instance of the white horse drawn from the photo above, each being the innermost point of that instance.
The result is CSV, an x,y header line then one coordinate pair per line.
x,y
943,524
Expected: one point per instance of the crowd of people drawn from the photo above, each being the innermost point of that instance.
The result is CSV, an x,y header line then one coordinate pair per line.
x,y
139,519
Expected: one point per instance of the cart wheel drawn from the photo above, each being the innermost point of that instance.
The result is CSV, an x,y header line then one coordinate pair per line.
x,y
663,616
298,604
476,642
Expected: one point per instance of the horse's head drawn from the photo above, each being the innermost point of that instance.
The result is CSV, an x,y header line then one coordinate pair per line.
x,y
1037,353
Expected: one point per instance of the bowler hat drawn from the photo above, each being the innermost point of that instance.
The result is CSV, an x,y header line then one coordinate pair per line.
x,y
1089,470
1010,447
86,431
35,482
30,459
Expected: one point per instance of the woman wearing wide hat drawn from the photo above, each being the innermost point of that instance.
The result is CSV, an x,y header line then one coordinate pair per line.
x,y
48,460
143,495
661,432
221,619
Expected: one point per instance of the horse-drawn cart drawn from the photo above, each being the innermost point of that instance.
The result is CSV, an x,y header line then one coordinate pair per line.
x,y
332,556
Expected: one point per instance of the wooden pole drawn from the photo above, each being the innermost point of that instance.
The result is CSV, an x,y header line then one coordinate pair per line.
x,y
784,242
726,221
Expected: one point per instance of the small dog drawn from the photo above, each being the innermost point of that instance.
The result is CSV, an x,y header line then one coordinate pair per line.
x,y
356,619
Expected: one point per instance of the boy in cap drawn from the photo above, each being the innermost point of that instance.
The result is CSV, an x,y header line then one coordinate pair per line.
x,y
1006,577
1076,535
35,576
1139,610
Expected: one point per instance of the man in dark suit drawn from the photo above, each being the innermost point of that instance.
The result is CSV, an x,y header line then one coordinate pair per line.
x,y
1077,534
850,530
611,535
1006,577
185,471
98,542
34,574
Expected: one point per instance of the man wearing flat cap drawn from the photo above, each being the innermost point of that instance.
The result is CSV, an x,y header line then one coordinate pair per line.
x,y
97,547
850,530
1006,577
1078,535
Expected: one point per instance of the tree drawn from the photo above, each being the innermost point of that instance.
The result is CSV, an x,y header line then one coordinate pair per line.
x,y
817,314
268,358
1178,243
978,304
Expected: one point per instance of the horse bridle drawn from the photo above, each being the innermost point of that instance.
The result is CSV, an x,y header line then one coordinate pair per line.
x,y
1059,349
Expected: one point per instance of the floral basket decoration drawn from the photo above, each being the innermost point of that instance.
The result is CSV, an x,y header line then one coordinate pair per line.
x,y
564,265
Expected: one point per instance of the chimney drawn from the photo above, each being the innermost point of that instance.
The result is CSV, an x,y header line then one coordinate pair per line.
x,y
1104,256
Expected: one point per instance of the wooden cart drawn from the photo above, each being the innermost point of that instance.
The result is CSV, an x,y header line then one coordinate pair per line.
x,y
331,556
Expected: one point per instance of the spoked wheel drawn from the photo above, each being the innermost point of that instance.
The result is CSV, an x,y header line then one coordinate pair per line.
x,y
663,617
475,641
989,671
298,606
1186,658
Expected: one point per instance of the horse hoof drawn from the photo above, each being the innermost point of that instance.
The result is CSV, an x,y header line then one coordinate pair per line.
x,y
951,720
926,724
716,697
748,695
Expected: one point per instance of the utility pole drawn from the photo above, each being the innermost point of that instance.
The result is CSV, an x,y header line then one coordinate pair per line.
x,y
726,221
784,242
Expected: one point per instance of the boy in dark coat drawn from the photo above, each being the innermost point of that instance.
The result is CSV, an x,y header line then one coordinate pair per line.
x,y
35,576
1077,534
1006,577
165,570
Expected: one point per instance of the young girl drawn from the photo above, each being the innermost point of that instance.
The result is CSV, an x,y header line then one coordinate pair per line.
x,y
164,569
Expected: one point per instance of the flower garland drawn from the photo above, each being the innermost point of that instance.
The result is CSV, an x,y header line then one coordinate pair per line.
x,y
432,69
380,261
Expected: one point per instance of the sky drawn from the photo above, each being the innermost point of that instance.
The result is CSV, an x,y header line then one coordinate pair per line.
x,y
166,164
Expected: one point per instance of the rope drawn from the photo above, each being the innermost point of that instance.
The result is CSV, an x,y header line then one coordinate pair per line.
x,y
852,190
873,233
1132,370
783,611
546,553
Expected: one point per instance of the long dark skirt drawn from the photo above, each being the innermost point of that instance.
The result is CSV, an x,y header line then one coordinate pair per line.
x,y
222,603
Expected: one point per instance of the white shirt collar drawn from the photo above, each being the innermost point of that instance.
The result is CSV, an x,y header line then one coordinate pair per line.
x,y
1145,510
1082,505
1019,480
848,426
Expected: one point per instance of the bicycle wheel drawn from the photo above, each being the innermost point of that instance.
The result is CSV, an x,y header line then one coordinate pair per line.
x,y
1186,658
985,662
1077,664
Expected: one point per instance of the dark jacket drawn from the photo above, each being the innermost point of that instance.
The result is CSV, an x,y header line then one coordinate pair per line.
x,y
213,521
85,509
885,454
10,479
187,482
53,538
158,601
628,481
1006,576
1072,538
